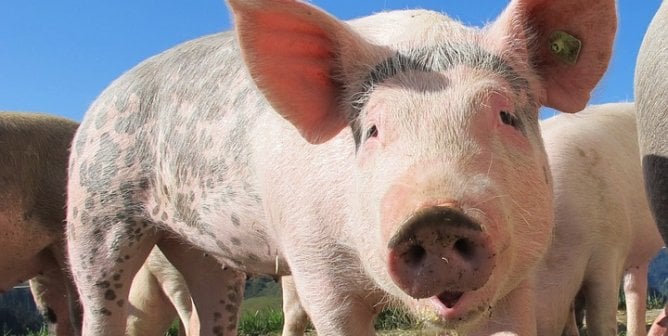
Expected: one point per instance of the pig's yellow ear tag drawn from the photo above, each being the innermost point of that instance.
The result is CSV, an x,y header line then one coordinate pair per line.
x,y
565,46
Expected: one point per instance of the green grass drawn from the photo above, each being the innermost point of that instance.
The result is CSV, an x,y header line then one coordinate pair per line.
x,y
393,318
655,302
41,332
262,322
259,316
261,303
173,329
263,316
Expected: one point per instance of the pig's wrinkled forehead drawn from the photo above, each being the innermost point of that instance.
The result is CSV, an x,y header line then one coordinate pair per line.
x,y
439,59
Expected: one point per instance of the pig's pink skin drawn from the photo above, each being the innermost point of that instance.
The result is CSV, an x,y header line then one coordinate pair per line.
x,y
660,325
650,92
604,230
196,143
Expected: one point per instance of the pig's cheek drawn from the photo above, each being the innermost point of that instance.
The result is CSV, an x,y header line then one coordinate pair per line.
x,y
507,124
368,152
513,137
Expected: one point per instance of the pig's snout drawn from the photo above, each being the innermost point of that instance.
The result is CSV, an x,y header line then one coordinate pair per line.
x,y
439,251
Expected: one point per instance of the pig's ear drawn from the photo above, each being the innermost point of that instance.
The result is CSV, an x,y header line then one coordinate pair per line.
x,y
296,54
569,44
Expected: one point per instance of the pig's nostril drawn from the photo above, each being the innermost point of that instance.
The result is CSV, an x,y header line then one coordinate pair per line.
x,y
415,255
465,248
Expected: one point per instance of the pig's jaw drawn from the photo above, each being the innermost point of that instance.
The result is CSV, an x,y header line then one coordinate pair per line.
x,y
453,310
447,305
458,310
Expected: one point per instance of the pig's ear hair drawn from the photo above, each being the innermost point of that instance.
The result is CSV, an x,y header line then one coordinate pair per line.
x,y
569,44
297,55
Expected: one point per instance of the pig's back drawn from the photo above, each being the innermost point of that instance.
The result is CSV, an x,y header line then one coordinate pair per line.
x,y
33,163
595,165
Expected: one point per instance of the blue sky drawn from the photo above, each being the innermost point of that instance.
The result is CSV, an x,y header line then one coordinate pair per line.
x,y
57,56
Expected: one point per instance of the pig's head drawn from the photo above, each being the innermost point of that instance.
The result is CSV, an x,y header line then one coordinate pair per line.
x,y
453,203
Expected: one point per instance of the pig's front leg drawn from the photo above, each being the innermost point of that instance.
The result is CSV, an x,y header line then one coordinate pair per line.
x,y
571,328
295,320
336,304
635,292
514,315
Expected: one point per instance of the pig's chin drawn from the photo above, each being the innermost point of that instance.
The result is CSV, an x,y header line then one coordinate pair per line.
x,y
450,305
453,310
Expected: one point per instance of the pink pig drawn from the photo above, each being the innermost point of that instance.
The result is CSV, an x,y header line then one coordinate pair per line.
x,y
604,230
394,158
651,91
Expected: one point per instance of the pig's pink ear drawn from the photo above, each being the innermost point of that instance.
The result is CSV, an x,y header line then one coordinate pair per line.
x,y
296,54
569,44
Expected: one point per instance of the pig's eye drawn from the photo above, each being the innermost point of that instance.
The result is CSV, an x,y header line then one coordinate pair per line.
x,y
372,132
509,119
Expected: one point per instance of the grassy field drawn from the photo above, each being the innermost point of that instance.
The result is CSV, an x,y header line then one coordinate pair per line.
x,y
265,311
262,303
262,316
260,321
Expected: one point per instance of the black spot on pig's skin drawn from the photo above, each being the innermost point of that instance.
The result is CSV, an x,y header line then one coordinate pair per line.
x,y
235,220
103,284
655,169
51,315
110,295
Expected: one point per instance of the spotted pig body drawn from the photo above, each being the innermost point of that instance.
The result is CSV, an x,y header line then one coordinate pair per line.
x,y
34,149
377,160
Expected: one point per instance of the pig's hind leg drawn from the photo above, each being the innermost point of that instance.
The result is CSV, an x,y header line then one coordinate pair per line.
x,y
107,244
601,290
216,290
635,291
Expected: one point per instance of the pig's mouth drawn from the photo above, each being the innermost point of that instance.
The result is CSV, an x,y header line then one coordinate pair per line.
x,y
448,305
452,309
449,299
